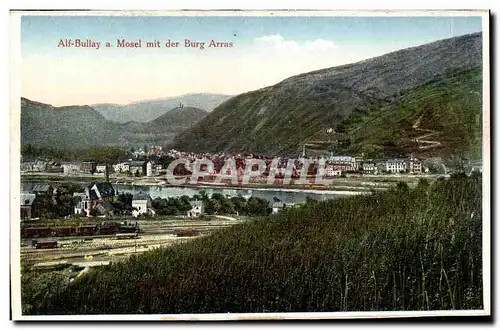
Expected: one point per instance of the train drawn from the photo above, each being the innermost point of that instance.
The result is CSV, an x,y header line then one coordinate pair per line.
x,y
109,228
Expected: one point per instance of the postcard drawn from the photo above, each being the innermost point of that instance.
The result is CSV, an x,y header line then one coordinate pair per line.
x,y
249,165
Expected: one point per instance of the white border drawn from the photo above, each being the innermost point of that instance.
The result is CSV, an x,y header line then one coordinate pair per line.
x,y
15,60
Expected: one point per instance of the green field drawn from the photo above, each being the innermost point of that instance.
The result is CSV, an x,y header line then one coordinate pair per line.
x,y
402,249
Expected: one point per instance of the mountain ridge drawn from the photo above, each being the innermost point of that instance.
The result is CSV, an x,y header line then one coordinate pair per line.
x,y
147,110
281,118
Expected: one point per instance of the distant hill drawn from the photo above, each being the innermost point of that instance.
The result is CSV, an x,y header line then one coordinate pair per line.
x,y
279,119
144,111
81,127
175,120
67,127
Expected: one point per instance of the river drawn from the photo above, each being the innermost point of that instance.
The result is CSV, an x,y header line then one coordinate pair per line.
x,y
288,196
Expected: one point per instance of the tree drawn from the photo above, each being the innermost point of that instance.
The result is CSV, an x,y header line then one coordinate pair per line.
x,y
258,206
107,155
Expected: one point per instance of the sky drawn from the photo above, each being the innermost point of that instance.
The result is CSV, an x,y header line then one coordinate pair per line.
x,y
265,51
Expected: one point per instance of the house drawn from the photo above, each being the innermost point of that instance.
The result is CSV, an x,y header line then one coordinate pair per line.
x,y
42,190
35,166
97,196
414,165
369,168
277,207
150,169
70,168
331,171
82,203
343,163
141,204
88,167
100,168
138,166
27,206
197,209
122,167
395,165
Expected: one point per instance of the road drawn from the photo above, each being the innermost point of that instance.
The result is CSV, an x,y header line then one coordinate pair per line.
x,y
420,139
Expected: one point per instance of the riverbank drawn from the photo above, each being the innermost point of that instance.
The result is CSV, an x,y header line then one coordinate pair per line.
x,y
350,185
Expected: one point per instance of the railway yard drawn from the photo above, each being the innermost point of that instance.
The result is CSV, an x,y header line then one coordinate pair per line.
x,y
56,252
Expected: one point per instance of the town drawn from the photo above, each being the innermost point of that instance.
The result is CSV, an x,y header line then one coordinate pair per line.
x,y
99,196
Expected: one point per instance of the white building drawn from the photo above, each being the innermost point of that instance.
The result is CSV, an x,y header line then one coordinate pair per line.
x,y
395,165
414,165
369,167
71,169
141,204
331,171
122,167
197,209
149,169
100,168
83,205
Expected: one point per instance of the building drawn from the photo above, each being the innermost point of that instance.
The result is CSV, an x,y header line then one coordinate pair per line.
x,y
331,171
100,168
42,190
369,168
70,169
82,204
277,207
98,196
35,166
138,167
27,206
141,204
122,167
414,165
344,163
150,169
395,165
197,209
88,167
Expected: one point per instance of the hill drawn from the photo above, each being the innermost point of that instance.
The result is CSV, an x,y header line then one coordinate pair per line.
x,y
67,127
281,118
175,120
402,249
144,111
443,117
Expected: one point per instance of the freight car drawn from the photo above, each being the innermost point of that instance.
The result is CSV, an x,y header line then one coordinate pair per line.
x,y
64,231
46,245
186,233
86,230
37,232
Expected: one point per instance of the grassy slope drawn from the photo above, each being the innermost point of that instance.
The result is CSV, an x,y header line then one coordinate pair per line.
x,y
397,250
451,106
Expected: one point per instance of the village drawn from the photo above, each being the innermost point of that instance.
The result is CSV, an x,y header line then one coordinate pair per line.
x,y
99,196
154,162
